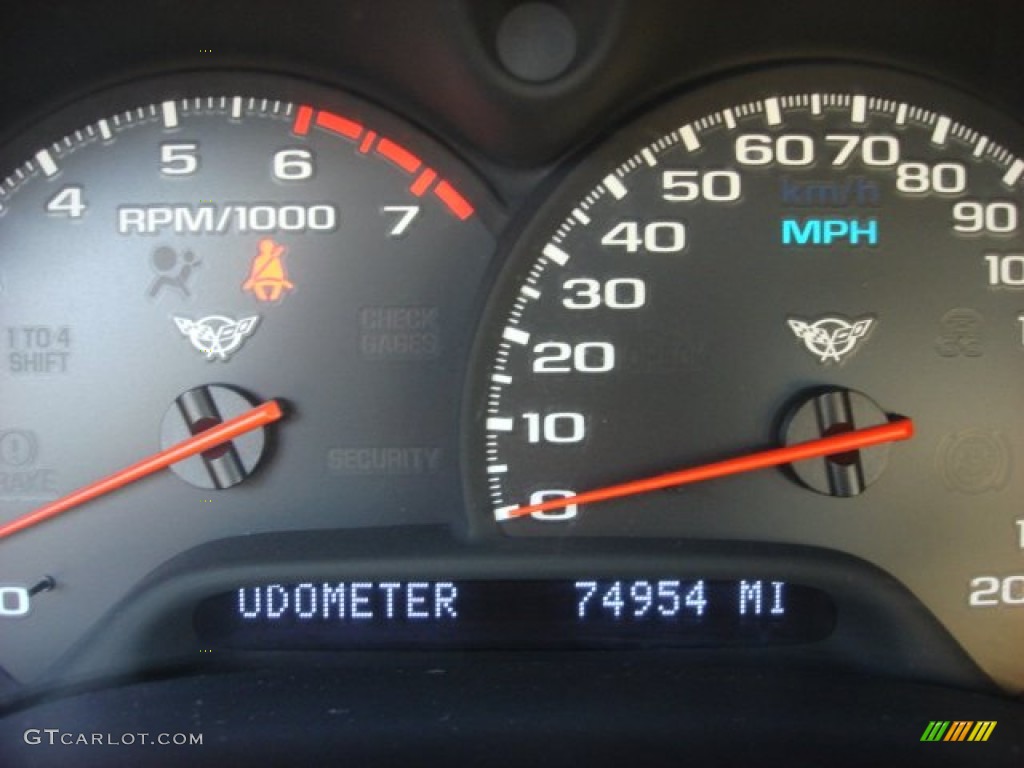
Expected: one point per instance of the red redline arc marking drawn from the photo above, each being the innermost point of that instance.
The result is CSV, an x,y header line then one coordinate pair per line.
x,y
329,121
423,182
399,155
367,143
302,120
260,416
456,203
306,117
900,429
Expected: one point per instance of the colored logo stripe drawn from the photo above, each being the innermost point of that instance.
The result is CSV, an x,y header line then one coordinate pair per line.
x,y
982,730
935,730
958,730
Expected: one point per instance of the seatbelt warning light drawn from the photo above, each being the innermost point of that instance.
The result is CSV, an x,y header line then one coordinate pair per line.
x,y
268,279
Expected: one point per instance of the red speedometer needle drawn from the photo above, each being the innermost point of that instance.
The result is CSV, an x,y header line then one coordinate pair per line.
x,y
854,440
267,413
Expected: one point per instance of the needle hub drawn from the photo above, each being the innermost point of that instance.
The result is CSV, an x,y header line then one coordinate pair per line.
x,y
832,412
202,408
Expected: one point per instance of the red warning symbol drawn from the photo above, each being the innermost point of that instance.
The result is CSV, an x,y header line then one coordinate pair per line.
x,y
268,279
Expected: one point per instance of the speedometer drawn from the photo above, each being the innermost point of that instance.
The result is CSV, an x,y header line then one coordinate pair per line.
x,y
785,308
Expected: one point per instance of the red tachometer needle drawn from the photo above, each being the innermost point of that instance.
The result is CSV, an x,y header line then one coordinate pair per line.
x,y
267,413
854,440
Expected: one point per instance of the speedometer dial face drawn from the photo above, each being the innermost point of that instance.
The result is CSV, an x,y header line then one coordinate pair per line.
x,y
740,279
203,249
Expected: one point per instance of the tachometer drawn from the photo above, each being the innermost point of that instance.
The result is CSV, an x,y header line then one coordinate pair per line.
x,y
816,270
210,252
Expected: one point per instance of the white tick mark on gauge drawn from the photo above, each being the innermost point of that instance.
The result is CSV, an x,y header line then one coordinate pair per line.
x,y
516,335
46,163
941,131
170,114
615,187
689,138
505,513
530,292
556,254
1014,173
858,109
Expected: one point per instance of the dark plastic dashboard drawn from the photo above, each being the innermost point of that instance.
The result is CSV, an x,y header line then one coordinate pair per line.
x,y
861,698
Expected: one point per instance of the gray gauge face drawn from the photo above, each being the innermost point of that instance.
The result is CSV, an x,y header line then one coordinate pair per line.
x,y
773,262
195,247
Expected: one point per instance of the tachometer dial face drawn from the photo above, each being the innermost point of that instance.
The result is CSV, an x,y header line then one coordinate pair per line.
x,y
746,275
194,248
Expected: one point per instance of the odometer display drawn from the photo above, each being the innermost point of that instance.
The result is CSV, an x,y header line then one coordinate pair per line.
x,y
774,261
462,614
